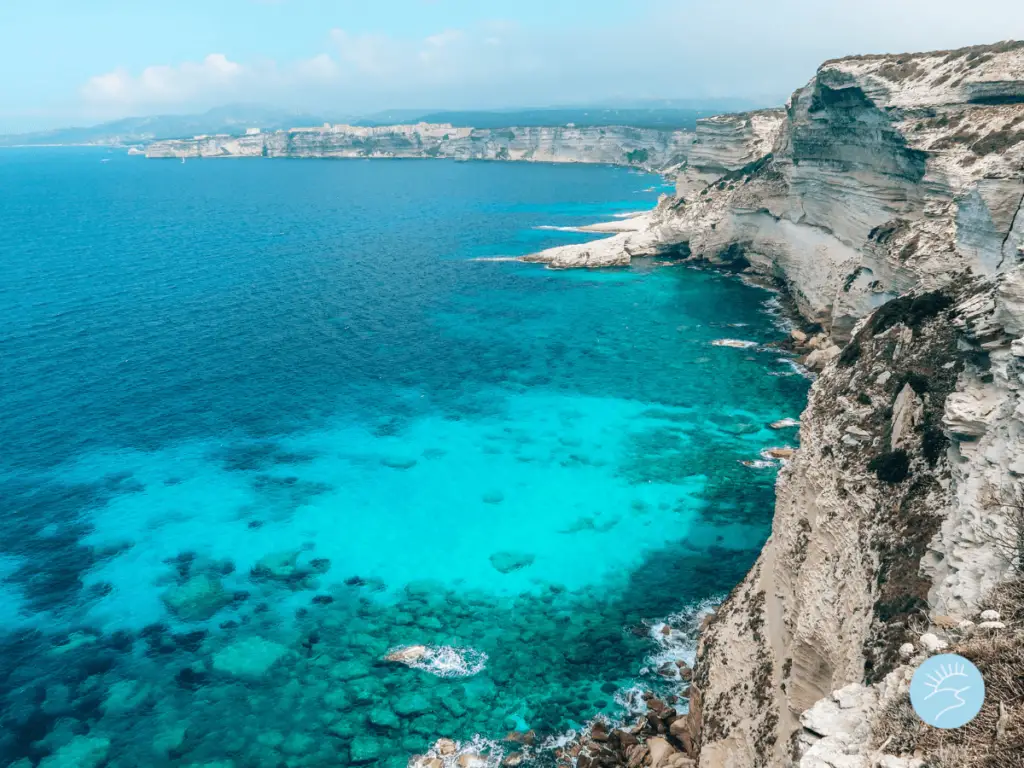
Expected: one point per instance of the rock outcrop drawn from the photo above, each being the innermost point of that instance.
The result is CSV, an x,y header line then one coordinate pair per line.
x,y
887,173
889,207
617,145
726,143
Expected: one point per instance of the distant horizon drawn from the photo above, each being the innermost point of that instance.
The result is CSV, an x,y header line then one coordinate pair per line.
x,y
696,104
74,64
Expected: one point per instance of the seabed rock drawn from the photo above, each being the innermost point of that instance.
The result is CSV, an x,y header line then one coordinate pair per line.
x,y
364,749
198,599
507,562
80,752
407,654
252,657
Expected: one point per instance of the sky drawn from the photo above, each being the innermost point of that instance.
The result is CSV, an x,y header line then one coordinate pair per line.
x,y
80,62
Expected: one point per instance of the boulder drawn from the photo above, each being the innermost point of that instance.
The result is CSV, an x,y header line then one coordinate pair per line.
x,y
80,752
251,657
991,625
280,566
124,696
507,562
990,615
932,643
446,747
819,358
198,599
407,654
412,704
364,749
349,670
661,751
382,717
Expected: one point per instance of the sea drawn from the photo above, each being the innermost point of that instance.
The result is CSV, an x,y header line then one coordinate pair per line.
x,y
299,466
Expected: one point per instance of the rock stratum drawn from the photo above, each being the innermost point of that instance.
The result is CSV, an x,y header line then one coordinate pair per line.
x,y
618,145
886,200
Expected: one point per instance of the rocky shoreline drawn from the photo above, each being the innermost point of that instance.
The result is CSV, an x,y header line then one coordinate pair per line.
x,y
887,202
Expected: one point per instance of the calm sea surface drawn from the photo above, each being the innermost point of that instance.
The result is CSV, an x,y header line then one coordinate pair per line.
x,y
264,422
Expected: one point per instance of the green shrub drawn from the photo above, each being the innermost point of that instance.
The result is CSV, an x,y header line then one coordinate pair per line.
x,y
891,467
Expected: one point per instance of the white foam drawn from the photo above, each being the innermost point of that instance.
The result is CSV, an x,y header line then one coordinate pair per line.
x,y
677,634
759,464
489,752
737,343
444,660
552,228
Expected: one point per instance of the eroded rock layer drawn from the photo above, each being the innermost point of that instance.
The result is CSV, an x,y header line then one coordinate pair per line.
x,y
890,208
617,145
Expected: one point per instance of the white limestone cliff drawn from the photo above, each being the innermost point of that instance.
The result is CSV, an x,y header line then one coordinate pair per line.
x,y
617,145
888,172
890,209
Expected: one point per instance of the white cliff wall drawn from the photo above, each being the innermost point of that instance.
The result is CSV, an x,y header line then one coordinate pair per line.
x,y
619,145
727,143
909,172
887,172
888,175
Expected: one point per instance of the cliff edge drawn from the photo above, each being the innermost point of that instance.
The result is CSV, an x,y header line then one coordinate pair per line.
x,y
888,204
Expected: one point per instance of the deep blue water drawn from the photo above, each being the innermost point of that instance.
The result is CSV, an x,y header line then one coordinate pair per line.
x,y
264,421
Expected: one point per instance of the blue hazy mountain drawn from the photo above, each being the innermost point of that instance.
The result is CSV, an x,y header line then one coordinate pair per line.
x,y
234,119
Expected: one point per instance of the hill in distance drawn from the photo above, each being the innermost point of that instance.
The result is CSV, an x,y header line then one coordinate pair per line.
x,y
235,119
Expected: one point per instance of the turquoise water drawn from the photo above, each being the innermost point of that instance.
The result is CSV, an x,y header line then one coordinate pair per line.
x,y
265,422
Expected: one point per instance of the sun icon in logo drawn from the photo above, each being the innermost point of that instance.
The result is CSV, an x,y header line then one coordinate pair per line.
x,y
947,691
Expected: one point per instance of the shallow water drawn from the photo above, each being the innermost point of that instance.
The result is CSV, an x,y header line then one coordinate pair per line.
x,y
266,421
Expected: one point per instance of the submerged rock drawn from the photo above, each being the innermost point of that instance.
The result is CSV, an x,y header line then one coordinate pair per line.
x,y
251,657
407,654
198,599
124,696
80,752
398,462
282,566
382,717
412,704
364,749
507,562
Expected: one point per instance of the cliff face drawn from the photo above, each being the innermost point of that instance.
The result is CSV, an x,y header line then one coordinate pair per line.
x,y
727,143
887,172
890,208
618,145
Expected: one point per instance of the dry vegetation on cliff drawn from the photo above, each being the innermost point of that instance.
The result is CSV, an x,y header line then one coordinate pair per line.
x,y
995,738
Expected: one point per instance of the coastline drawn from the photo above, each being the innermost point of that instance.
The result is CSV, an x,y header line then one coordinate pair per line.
x,y
912,321
649,721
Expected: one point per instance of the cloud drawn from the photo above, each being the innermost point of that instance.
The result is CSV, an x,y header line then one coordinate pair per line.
x,y
657,49
164,85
